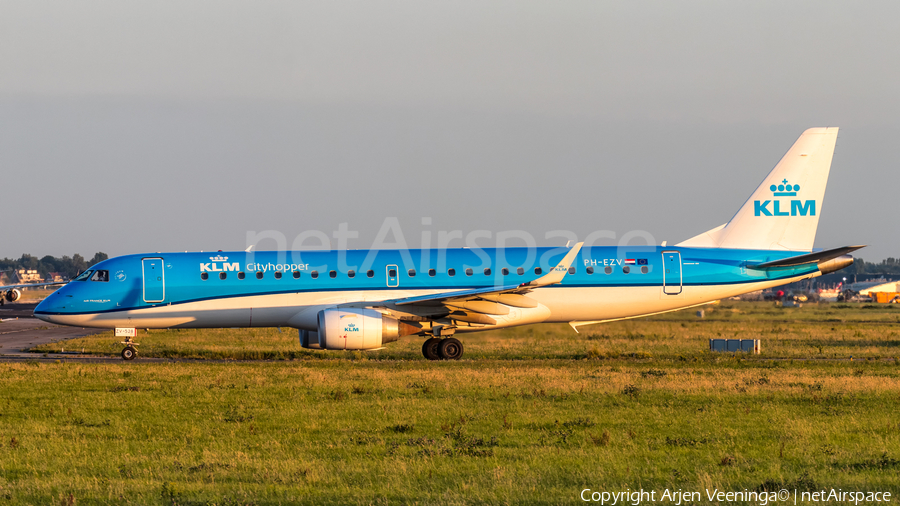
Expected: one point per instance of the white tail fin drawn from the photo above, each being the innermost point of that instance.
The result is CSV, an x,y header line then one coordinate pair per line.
x,y
783,213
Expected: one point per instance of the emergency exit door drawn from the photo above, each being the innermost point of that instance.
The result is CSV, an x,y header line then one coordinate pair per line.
x,y
393,276
154,280
671,272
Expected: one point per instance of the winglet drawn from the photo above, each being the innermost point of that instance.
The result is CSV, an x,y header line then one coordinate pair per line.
x,y
559,272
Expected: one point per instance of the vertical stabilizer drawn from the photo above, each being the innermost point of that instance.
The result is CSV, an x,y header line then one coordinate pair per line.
x,y
783,213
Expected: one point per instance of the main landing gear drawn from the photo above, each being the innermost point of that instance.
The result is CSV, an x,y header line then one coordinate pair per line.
x,y
442,349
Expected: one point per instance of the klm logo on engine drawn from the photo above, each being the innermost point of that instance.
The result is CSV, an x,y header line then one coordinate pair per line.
x,y
214,265
351,328
797,207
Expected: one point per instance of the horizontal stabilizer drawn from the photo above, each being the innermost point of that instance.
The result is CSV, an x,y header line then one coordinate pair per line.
x,y
809,258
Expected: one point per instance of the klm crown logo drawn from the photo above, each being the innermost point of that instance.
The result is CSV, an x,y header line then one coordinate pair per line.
x,y
218,258
785,189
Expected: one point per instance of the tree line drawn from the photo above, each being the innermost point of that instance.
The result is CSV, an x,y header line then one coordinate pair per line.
x,y
889,265
67,266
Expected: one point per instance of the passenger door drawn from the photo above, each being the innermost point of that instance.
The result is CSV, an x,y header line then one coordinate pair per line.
x,y
154,280
671,272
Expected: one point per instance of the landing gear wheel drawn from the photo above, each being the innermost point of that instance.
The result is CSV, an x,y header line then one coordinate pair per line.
x,y
128,353
450,349
430,348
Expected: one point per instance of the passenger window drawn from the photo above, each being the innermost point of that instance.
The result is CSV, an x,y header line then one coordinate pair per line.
x,y
487,272
589,270
100,276
537,270
277,274
608,270
504,271
314,274
469,272
432,272
412,273
259,275
451,272
204,276
241,275
626,269
370,273
222,275
572,270
296,274
392,273
520,271
644,269
351,274
332,274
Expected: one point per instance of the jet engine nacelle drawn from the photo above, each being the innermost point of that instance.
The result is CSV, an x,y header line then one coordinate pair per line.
x,y
359,329
13,295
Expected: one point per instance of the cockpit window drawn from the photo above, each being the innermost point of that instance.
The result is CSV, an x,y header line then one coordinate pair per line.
x,y
84,276
100,275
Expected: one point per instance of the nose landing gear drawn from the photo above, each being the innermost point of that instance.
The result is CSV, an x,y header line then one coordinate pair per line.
x,y
129,351
128,333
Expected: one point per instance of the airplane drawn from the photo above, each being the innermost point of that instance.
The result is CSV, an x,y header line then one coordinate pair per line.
x,y
364,299
11,293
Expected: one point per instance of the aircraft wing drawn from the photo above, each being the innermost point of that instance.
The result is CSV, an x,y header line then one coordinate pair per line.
x,y
554,276
30,285
476,305
459,294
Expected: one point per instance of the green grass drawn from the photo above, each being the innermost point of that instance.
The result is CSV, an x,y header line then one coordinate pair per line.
x,y
532,415
824,331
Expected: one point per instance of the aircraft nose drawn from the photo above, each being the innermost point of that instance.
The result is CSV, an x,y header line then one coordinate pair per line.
x,y
40,309
47,306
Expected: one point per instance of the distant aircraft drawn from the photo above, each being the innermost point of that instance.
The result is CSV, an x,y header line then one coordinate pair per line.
x,y
10,293
383,295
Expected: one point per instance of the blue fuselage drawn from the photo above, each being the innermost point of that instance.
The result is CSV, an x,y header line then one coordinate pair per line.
x,y
226,287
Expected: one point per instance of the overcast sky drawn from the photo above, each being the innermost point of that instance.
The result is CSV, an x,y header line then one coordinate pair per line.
x,y
131,127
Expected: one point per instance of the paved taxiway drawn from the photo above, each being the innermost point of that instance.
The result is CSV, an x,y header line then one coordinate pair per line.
x,y
24,332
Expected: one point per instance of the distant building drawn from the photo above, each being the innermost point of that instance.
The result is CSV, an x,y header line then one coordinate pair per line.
x,y
55,277
28,276
891,286
4,279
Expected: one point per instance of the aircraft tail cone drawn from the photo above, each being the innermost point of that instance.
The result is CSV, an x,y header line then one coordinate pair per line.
x,y
835,264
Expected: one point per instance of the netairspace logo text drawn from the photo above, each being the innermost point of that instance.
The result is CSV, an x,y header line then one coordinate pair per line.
x,y
763,498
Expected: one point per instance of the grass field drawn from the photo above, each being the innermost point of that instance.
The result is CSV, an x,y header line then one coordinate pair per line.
x,y
813,331
532,415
